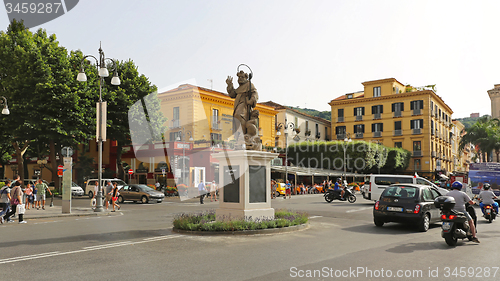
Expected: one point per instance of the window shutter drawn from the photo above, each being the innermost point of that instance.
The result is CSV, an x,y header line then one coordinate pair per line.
x,y
402,106
381,109
374,109
397,125
355,129
355,111
412,105
393,107
412,124
373,127
381,127
362,128
421,121
363,111
421,104
341,112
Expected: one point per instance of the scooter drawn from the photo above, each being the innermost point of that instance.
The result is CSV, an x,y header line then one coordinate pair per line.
x,y
489,213
331,195
455,224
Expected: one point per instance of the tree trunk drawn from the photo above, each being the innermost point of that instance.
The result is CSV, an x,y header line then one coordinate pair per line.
x,y
54,164
20,159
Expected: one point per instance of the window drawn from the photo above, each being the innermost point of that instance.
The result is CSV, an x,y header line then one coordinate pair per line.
x,y
296,122
432,127
416,164
215,119
175,136
417,146
349,96
427,195
398,106
359,130
340,112
175,118
376,92
316,133
416,104
359,111
340,132
377,127
377,109
398,144
397,128
417,124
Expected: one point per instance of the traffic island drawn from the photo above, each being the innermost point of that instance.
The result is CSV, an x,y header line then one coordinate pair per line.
x,y
206,224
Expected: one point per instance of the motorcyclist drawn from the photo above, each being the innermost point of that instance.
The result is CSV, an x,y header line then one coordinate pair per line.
x,y
337,187
487,197
460,199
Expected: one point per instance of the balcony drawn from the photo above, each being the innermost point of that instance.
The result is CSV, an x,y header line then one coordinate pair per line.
x,y
398,113
215,123
340,136
417,153
359,135
377,116
359,117
416,131
433,154
377,134
417,167
417,111
340,119
175,124
398,132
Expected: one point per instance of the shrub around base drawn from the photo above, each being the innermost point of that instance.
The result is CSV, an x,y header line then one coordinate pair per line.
x,y
206,221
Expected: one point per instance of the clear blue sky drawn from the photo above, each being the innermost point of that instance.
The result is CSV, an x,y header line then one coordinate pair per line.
x,y
302,53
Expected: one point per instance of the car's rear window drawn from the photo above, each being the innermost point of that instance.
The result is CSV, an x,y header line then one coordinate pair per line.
x,y
392,180
401,191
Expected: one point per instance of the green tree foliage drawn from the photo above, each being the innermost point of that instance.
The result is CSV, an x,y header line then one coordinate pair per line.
x,y
485,134
312,112
361,156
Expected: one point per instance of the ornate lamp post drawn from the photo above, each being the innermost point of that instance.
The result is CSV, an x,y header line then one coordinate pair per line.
x,y
5,110
285,126
182,137
103,72
347,139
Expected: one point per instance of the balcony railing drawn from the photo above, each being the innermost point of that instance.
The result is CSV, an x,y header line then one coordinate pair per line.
x,y
340,119
398,132
398,114
417,111
417,167
377,134
417,131
359,117
340,136
176,123
359,135
417,153
377,116
215,123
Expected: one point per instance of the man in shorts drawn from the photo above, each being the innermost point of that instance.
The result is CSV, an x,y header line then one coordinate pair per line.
x,y
109,189
41,187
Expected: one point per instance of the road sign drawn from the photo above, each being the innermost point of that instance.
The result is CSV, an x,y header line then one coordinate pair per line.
x,y
130,171
163,171
60,173
60,168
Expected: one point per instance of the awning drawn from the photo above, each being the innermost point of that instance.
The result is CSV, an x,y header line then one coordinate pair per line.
x,y
302,171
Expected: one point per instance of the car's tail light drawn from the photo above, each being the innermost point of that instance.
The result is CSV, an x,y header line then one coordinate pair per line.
x,y
376,205
417,209
443,217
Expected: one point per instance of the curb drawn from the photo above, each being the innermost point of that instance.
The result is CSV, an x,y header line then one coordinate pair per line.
x,y
244,232
67,215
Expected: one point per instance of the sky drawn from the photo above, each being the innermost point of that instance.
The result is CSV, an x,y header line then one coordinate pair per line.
x,y
301,53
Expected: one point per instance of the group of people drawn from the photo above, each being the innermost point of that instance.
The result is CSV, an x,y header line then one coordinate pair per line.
x,y
11,198
203,191
111,195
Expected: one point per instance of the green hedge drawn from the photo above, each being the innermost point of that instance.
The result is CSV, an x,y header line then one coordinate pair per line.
x,y
206,222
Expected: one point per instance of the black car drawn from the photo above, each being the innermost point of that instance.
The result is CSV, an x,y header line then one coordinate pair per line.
x,y
407,203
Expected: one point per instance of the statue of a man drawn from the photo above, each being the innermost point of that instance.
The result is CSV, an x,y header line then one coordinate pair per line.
x,y
245,99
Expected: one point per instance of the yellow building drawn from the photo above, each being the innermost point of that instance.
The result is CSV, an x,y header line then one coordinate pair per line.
x,y
395,115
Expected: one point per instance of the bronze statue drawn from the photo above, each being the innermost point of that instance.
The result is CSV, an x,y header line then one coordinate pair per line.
x,y
244,116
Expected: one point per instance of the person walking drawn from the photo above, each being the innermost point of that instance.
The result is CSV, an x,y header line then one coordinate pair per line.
x,y
273,189
213,191
288,190
202,190
114,196
5,199
109,189
41,188
16,195
28,191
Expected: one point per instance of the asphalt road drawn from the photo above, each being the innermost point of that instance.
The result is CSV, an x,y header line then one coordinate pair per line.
x,y
138,244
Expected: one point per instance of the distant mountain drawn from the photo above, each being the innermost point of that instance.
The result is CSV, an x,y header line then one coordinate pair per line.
x,y
469,121
313,112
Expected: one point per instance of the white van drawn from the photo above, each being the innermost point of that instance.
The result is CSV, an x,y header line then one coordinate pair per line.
x,y
378,183
90,187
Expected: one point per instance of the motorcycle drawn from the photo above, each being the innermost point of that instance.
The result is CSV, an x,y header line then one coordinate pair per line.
x,y
489,213
455,224
331,195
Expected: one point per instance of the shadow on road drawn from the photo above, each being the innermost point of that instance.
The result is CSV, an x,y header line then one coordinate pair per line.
x,y
387,229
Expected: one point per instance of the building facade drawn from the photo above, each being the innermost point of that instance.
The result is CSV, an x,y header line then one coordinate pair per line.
x,y
395,115
494,95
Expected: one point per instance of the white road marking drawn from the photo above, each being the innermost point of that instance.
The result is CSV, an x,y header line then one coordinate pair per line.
x,y
313,217
86,249
360,209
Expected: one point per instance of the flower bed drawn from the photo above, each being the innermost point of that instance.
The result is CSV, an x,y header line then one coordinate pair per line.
x,y
206,222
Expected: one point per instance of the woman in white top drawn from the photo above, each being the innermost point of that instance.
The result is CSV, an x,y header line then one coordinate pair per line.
x,y
213,191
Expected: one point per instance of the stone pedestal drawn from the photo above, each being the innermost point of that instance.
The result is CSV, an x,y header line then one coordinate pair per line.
x,y
245,181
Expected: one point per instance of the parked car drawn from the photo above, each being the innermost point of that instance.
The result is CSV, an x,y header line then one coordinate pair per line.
x,y
407,203
140,192
91,185
76,190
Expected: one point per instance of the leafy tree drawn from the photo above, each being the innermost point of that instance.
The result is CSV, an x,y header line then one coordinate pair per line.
x,y
484,134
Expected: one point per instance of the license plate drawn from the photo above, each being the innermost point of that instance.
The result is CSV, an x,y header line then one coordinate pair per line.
x,y
158,201
395,209
488,211
446,226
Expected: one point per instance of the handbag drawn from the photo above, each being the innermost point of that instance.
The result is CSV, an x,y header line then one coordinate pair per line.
x,y
92,202
21,209
14,201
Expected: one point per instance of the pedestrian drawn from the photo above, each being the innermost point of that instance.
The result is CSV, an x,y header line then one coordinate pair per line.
x,y
115,196
16,198
288,190
157,185
213,191
28,191
202,190
109,189
41,188
273,189
5,199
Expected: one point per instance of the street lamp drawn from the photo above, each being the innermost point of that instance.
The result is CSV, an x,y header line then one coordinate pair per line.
x,y
182,138
5,110
103,72
285,127
347,139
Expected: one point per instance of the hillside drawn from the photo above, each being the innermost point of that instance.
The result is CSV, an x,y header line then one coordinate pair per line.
x,y
468,121
313,112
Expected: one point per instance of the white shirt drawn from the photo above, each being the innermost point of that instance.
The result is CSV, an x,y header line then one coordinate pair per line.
x,y
487,196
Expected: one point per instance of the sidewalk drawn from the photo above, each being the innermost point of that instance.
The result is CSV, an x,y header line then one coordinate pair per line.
x,y
56,211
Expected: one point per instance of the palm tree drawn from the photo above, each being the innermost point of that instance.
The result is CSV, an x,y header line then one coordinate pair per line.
x,y
485,134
